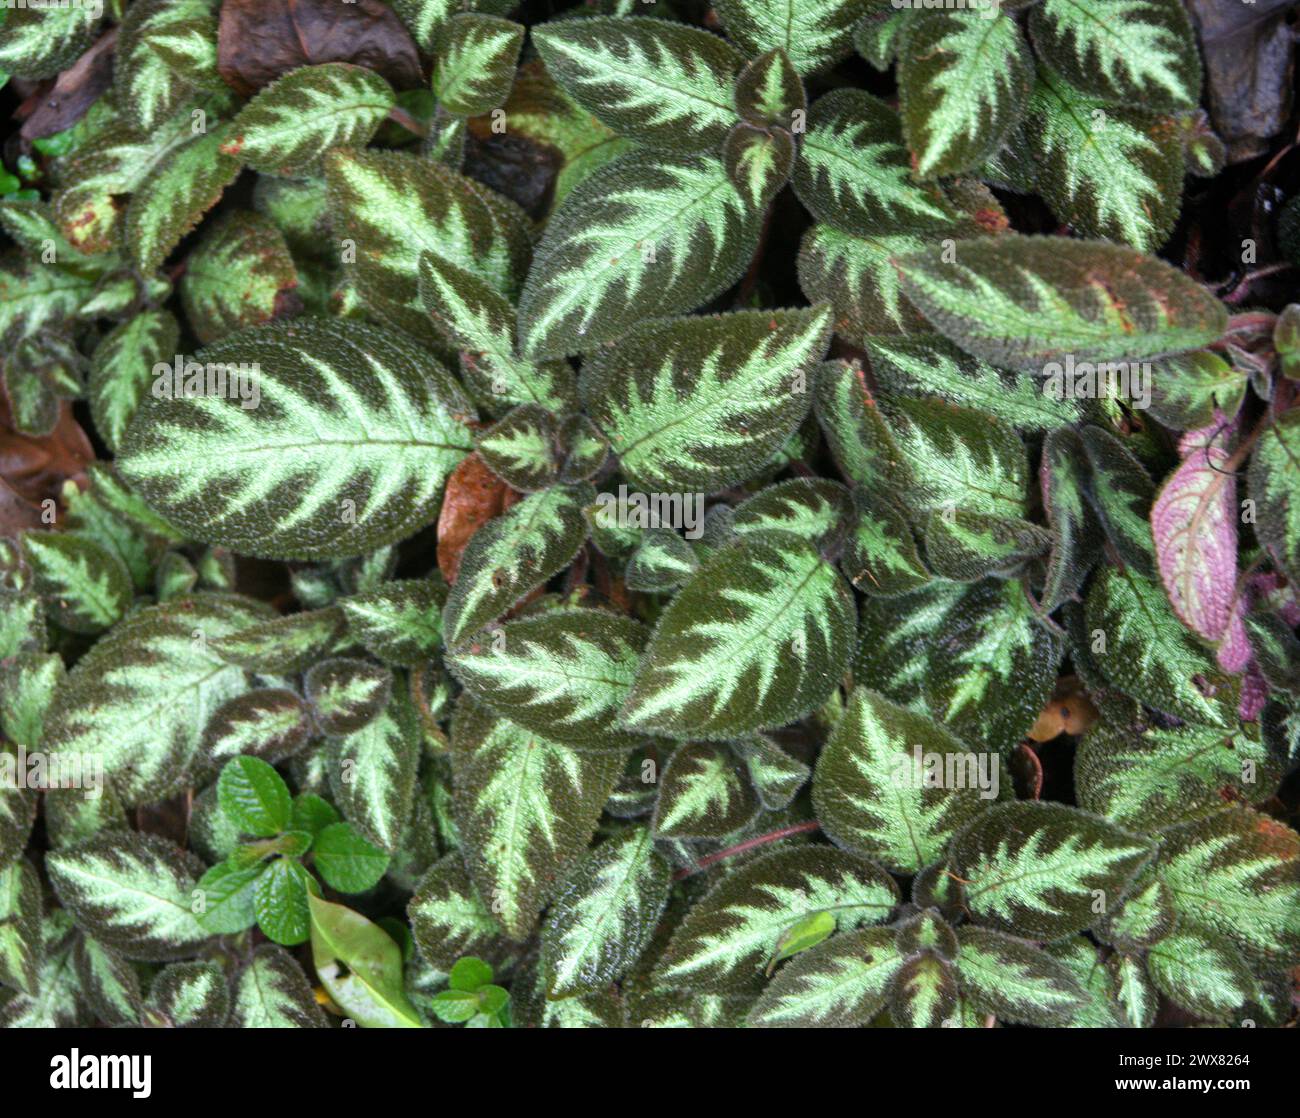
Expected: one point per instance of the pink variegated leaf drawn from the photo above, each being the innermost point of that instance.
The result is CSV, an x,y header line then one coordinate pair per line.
x,y
1193,522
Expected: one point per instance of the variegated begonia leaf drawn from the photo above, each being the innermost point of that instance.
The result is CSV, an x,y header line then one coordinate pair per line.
x,y
768,92
525,808
1236,874
449,919
646,236
1109,171
28,681
147,85
85,587
399,622
1203,974
730,936
842,983
968,546
857,277
813,33
512,555
188,996
900,648
662,562
373,773
291,123
474,64
122,369
139,700
480,322
776,776
241,274
923,994
1043,869
564,673
354,432
1016,980
856,433
758,162
604,914
1192,390
271,992
925,363
1027,302
270,723
1120,491
109,982
743,377
344,694
1145,777
521,448
658,82
854,173
132,892
289,643
758,638
1075,530
814,509
894,785
964,78
880,555
704,793
1274,476
20,926
1145,651
40,40
1128,52
59,1002
388,208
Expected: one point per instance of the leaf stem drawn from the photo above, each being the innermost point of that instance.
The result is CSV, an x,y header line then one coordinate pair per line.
x,y
400,116
749,844
1238,293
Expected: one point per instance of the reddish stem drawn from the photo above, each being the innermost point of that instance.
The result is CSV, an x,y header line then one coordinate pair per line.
x,y
749,844
1239,293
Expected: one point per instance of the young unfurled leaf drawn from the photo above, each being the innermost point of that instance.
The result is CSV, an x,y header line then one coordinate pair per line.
x,y
758,638
1273,481
254,797
271,992
1114,172
520,448
1038,868
139,700
1019,982
373,772
853,171
743,377
448,918
923,995
604,914
280,900
122,369
400,622
512,555
894,785
703,794
526,808
1025,302
963,80
842,983
648,235
354,432
84,586
758,163
390,208
1127,52
564,674
132,892
291,123
813,33
768,92
480,322
360,967
731,933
